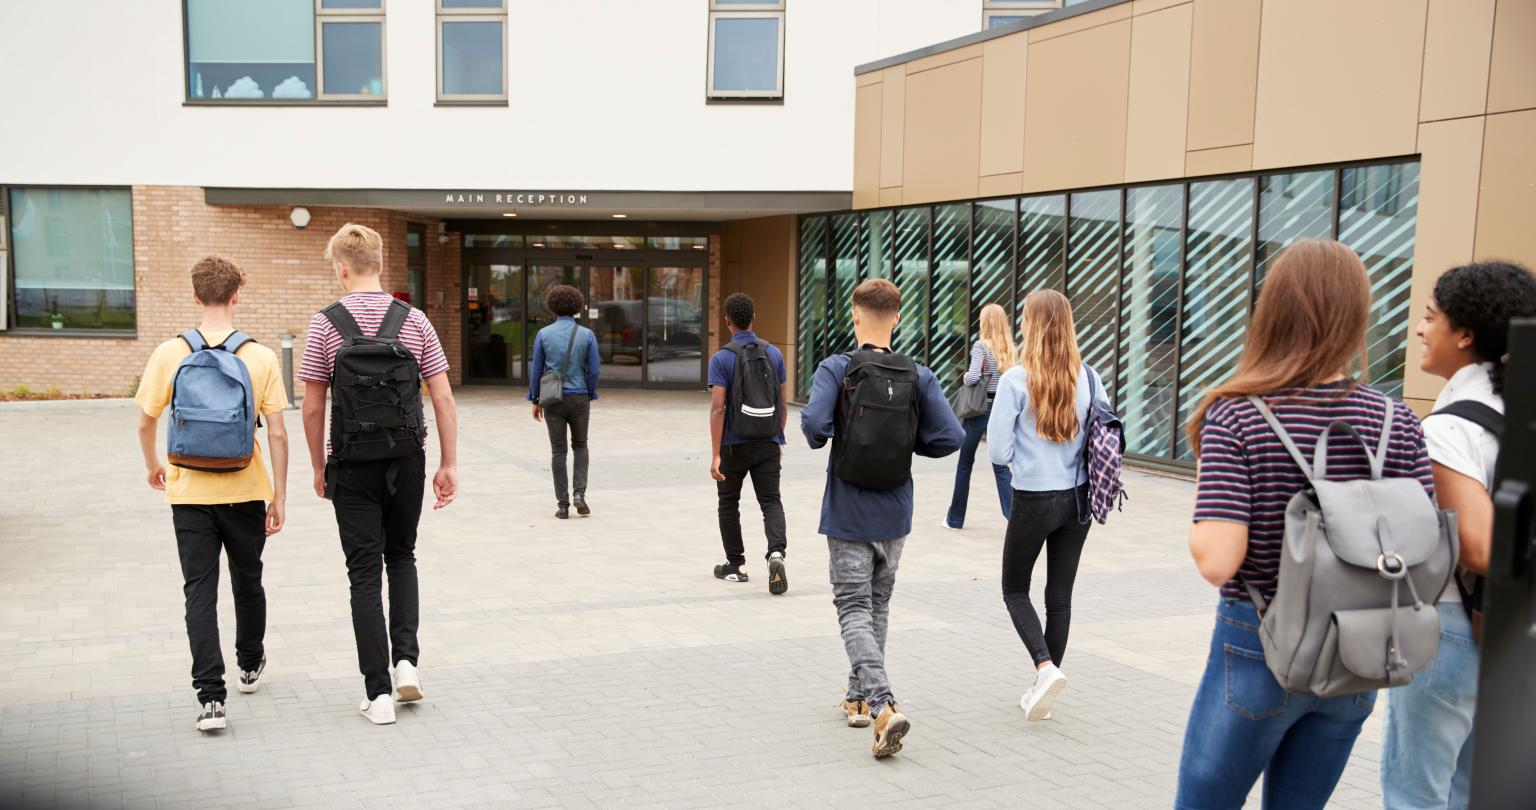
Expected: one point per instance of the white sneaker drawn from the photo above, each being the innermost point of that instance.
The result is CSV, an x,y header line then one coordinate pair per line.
x,y
1048,685
380,711
407,683
945,523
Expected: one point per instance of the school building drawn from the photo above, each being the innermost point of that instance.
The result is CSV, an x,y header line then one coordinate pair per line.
x,y
1147,157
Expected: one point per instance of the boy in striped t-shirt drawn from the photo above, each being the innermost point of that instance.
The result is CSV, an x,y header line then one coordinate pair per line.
x,y
378,503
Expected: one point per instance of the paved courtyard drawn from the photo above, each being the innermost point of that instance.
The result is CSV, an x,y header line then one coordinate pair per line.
x,y
588,663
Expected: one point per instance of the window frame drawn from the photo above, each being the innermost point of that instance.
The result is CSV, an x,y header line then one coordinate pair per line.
x,y
1015,8
8,266
739,11
458,15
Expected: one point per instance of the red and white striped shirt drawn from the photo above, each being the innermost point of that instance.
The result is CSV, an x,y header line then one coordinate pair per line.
x,y
368,308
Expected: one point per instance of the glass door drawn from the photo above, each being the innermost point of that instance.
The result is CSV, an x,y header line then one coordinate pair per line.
x,y
675,328
616,310
494,342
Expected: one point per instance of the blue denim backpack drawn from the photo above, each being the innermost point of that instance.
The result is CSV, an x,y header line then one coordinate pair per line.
x,y
213,409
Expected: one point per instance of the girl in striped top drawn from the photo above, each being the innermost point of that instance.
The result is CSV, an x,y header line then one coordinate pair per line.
x,y
1305,339
996,342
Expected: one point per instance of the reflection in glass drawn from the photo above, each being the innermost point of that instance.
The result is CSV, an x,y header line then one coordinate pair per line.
x,y
1093,278
73,258
746,54
811,316
1378,210
495,336
241,51
568,240
878,246
354,57
1291,207
948,352
617,299
846,252
675,329
677,242
472,58
1219,255
1042,248
992,278
911,337
995,21
492,240
1149,304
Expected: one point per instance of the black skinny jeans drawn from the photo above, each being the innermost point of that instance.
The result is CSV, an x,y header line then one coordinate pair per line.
x,y
572,413
201,531
1043,520
761,461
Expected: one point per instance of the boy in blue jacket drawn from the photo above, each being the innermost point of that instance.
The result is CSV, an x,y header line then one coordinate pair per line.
x,y
867,528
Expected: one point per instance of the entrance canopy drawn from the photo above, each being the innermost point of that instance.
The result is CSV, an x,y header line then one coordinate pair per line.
x,y
550,203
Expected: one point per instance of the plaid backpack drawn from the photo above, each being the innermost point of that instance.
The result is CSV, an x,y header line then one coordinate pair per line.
x,y
1103,450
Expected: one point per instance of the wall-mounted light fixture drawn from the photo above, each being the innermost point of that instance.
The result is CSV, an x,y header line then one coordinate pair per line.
x,y
299,217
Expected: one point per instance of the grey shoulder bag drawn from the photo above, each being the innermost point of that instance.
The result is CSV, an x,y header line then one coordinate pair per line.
x,y
971,399
552,381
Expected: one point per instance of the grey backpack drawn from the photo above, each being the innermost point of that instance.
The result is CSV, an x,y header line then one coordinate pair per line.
x,y
1360,560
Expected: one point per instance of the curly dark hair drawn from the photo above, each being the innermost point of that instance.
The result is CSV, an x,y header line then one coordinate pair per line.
x,y
740,310
1482,297
564,300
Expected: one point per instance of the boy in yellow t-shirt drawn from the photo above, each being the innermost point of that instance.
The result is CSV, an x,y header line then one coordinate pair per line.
x,y
236,511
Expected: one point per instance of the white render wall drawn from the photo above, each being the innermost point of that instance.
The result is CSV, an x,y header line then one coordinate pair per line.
x,y
605,94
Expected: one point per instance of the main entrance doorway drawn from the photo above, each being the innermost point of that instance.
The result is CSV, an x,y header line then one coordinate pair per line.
x,y
648,313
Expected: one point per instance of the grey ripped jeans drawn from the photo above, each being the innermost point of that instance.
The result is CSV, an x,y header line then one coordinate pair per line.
x,y
572,413
863,575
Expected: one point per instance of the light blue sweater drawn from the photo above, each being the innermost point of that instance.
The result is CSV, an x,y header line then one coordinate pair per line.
x,y
1037,464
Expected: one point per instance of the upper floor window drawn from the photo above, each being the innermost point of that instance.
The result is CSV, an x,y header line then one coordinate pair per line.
x,y
746,49
1003,12
243,51
471,51
71,250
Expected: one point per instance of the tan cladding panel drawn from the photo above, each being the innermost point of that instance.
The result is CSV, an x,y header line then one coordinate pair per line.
x,y
1003,78
942,133
1223,72
866,145
1075,114
1458,40
1338,81
893,103
1512,76
1159,95
1508,195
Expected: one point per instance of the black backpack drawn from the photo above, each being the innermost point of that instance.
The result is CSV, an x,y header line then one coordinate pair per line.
x,y
1469,584
877,412
375,389
755,407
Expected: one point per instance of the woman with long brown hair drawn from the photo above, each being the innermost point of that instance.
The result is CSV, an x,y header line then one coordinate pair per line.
x,y
1305,359
1036,431
991,355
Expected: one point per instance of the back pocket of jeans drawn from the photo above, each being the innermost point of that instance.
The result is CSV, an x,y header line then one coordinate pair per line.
x,y
1252,690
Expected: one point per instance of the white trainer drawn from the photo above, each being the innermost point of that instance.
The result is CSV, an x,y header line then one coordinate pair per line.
x,y
380,711
407,683
1048,685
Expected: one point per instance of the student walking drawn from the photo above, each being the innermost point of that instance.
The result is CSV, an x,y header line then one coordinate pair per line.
x,y
1305,339
372,352
1426,752
878,409
562,388
991,356
1035,431
748,391
218,486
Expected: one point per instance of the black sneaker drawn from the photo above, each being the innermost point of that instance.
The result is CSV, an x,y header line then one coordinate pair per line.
x,y
211,718
250,679
731,573
581,507
778,581
564,513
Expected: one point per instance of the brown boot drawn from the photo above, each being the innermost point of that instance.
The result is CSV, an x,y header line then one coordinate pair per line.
x,y
857,711
890,726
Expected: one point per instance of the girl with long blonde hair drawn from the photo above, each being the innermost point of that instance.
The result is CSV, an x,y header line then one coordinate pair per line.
x,y
1035,431
991,355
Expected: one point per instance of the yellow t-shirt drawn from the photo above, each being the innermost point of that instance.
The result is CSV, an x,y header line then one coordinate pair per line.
x,y
194,486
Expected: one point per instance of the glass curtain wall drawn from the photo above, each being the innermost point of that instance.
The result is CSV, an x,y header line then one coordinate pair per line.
x,y
1162,277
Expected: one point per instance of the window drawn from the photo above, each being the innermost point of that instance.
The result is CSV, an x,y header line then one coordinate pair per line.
x,y
72,250
746,49
472,51
244,51
996,13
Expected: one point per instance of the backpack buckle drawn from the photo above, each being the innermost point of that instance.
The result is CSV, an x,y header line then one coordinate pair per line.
x,y
367,427
1393,568
365,380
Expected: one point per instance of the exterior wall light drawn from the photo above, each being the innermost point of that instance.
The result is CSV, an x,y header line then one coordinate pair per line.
x,y
299,217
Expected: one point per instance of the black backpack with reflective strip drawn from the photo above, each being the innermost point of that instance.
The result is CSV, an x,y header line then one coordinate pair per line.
x,y
755,410
375,389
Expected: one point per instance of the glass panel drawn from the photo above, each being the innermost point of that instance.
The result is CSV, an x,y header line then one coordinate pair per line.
x,y
73,256
472,58
878,245
746,54
328,5
414,251
618,299
846,244
948,352
911,263
541,279
811,319
496,4
1219,256
1042,247
992,279
1093,278
495,333
492,240
674,329
677,242
1291,207
995,21
354,57
238,50
1378,209
1149,304
565,240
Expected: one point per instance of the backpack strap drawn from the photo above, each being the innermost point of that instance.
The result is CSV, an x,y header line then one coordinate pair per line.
x,y
569,345
1478,413
235,340
1285,438
341,318
194,340
394,318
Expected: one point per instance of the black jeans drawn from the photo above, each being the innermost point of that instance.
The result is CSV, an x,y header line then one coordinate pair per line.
x,y
378,535
1043,520
239,529
761,461
573,412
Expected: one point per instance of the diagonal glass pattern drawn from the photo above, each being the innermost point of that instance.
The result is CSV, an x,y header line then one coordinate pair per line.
x,y
877,245
910,261
1093,278
1219,255
1291,207
1149,313
992,279
1042,248
847,253
1378,209
811,315
947,355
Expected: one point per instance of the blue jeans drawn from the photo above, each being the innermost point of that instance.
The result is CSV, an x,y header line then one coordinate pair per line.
x,y
1426,749
975,428
1244,724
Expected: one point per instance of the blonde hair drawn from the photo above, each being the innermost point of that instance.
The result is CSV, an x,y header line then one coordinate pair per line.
x,y
359,247
1051,361
997,337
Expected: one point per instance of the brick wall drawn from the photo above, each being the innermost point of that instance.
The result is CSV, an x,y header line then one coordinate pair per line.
x,y
287,281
